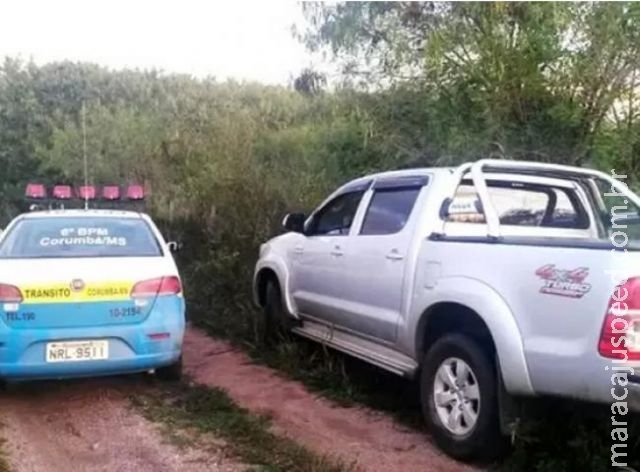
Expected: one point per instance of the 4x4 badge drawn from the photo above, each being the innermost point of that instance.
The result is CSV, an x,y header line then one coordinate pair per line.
x,y
566,283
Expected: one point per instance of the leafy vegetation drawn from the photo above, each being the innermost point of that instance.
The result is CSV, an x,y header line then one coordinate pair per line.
x,y
211,411
423,84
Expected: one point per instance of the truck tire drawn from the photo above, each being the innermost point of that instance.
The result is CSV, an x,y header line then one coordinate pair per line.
x,y
171,372
459,396
276,321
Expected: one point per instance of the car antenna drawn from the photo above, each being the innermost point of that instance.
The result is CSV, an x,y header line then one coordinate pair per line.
x,y
84,156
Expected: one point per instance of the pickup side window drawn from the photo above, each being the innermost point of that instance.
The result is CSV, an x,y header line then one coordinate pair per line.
x,y
619,213
336,217
524,204
389,210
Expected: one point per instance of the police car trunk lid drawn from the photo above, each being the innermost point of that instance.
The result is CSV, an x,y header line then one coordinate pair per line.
x,y
77,292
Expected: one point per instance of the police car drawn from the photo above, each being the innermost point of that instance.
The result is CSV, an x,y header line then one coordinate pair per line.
x,y
87,292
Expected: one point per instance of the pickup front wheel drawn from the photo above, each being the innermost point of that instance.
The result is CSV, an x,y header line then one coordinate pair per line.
x,y
460,398
276,322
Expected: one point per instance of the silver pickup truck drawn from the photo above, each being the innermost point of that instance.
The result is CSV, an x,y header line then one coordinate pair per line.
x,y
497,279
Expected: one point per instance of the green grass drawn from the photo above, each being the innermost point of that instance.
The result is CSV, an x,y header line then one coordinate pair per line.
x,y
555,436
205,410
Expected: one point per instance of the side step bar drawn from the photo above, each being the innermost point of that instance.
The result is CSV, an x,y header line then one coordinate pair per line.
x,y
355,346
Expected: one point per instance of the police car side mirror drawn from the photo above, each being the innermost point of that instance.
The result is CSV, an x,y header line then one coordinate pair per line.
x,y
174,246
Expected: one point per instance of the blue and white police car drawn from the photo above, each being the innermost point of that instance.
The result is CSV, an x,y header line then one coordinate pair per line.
x,y
88,292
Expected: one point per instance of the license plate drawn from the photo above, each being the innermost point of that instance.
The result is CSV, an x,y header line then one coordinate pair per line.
x,y
76,351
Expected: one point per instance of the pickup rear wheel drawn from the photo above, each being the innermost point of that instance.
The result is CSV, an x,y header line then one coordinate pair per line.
x,y
459,395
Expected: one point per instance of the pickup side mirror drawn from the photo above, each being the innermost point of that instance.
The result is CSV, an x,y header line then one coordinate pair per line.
x,y
174,246
294,222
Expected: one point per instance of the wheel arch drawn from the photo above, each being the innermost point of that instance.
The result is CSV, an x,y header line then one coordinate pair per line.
x,y
471,307
451,317
276,271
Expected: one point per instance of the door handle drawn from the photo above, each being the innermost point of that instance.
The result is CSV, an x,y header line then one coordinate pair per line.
x,y
337,251
394,255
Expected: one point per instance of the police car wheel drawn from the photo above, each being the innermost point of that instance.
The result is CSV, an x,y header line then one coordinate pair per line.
x,y
170,373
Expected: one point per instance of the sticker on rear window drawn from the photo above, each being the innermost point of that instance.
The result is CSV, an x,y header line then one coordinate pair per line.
x,y
83,237
80,236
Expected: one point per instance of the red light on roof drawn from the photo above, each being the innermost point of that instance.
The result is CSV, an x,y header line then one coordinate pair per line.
x,y
62,192
87,192
111,192
135,192
36,191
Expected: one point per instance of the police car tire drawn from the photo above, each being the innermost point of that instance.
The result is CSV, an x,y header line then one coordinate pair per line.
x,y
170,373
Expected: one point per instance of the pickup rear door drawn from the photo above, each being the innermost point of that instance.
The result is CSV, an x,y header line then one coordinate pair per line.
x,y
377,259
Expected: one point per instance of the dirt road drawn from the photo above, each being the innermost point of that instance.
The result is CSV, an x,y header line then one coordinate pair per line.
x,y
373,440
89,425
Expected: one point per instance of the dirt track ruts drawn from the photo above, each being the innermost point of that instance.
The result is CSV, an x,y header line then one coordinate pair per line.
x,y
89,425
373,440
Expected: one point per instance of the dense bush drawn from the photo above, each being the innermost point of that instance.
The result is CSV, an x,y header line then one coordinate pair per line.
x,y
225,161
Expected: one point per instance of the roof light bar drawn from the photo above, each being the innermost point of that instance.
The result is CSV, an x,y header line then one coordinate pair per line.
x,y
111,192
62,192
135,192
39,196
87,192
36,191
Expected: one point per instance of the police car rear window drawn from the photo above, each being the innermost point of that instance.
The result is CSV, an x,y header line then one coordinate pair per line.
x,y
61,237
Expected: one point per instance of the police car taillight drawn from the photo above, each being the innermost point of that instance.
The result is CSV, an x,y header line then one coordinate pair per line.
x,y
168,285
36,191
62,192
10,294
135,192
87,192
111,192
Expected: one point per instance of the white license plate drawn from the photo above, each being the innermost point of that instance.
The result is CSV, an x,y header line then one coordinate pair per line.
x,y
75,351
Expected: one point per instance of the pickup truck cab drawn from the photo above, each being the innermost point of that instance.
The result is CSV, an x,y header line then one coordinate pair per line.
x,y
493,280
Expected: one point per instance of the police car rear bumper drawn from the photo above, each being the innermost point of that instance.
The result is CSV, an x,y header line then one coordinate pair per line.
x,y
43,371
154,343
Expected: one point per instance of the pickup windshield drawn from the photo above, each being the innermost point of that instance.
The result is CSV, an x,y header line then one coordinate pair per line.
x,y
61,237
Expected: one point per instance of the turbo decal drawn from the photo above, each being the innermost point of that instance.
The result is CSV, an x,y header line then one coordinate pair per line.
x,y
562,282
77,291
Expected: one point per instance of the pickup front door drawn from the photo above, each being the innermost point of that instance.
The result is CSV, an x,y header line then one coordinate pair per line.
x,y
318,276
376,273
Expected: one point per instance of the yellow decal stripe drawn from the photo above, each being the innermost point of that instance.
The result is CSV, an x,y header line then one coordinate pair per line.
x,y
63,293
